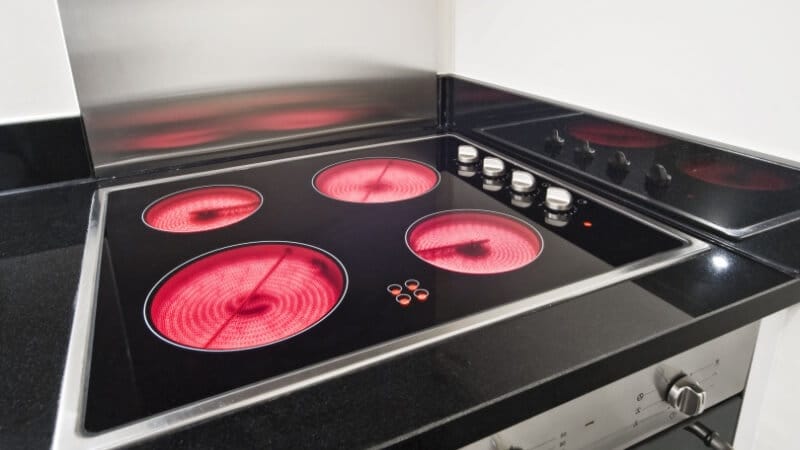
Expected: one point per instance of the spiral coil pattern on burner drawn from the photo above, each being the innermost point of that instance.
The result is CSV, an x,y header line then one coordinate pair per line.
x,y
474,242
376,180
202,209
246,296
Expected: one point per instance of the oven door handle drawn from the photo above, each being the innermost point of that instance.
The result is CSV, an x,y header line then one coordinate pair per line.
x,y
709,437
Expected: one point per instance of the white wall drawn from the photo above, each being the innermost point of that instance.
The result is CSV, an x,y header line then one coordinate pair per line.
x,y
725,70
35,79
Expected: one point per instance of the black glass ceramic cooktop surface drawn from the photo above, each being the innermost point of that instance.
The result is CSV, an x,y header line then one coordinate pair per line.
x,y
729,192
219,281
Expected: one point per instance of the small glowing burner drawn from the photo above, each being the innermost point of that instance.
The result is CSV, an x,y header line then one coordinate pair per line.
x,y
376,180
615,135
474,242
202,209
247,296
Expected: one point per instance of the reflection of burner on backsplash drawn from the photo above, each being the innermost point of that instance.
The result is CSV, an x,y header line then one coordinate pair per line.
x,y
738,175
614,135
376,180
305,119
246,296
174,139
474,241
202,209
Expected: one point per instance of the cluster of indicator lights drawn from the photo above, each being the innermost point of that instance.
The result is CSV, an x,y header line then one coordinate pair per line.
x,y
404,296
258,293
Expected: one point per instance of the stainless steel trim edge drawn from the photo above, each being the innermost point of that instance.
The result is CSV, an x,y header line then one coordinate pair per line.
x,y
72,395
69,434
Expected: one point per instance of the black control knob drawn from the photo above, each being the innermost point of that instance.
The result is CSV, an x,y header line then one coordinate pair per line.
x,y
585,150
619,162
554,142
658,176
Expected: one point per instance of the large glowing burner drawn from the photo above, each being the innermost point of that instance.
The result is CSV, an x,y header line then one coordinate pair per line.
x,y
202,209
474,242
732,174
376,180
247,296
615,135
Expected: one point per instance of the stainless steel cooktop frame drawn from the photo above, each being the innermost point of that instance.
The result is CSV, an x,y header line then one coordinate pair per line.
x,y
69,432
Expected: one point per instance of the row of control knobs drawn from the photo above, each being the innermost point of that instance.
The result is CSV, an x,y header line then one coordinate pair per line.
x,y
522,182
657,174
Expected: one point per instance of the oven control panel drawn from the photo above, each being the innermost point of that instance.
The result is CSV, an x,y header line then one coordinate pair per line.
x,y
641,404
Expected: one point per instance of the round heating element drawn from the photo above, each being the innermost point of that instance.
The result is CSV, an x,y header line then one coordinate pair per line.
x,y
246,296
732,174
202,209
376,180
615,135
474,242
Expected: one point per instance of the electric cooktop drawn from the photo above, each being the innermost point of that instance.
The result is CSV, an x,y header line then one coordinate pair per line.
x,y
227,287
704,184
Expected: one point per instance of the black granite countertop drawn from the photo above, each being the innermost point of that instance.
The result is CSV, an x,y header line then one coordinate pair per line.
x,y
441,396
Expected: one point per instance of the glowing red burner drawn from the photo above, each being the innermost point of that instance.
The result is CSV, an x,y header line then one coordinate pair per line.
x,y
474,242
615,135
246,296
732,174
376,180
202,209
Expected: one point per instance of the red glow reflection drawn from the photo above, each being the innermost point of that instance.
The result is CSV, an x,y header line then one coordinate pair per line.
x,y
202,209
305,119
732,174
247,296
376,180
474,242
173,139
615,135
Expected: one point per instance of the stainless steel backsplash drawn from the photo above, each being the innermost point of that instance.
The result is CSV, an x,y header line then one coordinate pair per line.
x,y
162,78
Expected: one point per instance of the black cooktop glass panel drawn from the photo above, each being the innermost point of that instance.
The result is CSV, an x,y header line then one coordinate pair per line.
x,y
136,373
709,184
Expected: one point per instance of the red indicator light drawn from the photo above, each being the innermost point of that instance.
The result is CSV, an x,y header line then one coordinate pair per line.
x,y
421,294
403,299
587,224
412,284
395,289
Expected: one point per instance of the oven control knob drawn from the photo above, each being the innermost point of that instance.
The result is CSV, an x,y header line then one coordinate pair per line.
x,y
557,199
585,150
687,396
493,167
658,176
619,162
522,182
554,141
467,154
